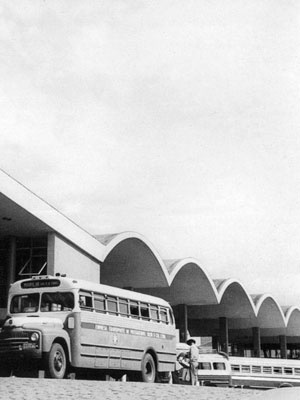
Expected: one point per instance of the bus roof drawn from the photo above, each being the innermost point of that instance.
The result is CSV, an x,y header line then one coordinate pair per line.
x,y
70,283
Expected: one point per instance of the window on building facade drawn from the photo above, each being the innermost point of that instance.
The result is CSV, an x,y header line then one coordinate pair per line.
x,y
31,257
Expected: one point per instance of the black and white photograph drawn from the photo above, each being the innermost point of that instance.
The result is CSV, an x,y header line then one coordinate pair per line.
x,y
150,199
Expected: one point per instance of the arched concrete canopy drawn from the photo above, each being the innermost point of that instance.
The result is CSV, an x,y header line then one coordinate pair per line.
x,y
189,284
269,314
292,316
233,302
186,282
234,299
130,260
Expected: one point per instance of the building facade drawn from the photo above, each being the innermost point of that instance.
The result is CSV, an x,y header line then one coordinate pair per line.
x,y
36,239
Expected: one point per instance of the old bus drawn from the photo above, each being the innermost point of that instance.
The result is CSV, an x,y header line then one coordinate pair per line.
x,y
67,324
219,369
264,372
213,367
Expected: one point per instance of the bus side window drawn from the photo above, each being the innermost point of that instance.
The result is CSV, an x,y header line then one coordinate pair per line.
x,y
288,371
297,371
163,315
154,313
246,368
204,365
256,369
171,316
123,307
134,309
267,369
86,301
99,303
112,305
219,365
145,311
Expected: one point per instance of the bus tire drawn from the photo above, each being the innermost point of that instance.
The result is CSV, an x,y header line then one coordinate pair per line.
x,y
5,372
285,385
175,377
56,362
148,369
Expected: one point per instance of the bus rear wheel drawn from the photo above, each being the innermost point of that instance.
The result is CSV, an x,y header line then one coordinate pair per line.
x,y
285,385
56,362
148,369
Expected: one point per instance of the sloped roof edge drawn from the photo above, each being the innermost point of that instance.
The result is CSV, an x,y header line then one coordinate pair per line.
x,y
50,216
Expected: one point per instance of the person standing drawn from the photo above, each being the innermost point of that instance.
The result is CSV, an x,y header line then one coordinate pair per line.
x,y
193,356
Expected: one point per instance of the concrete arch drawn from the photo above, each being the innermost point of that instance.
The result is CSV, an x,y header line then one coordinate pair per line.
x,y
190,283
269,313
184,281
130,260
292,317
289,311
235,302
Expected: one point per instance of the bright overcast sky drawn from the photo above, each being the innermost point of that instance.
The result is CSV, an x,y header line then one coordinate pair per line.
x,y
176,119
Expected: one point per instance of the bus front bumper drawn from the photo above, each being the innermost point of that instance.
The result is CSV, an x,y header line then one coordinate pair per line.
x,y
17,345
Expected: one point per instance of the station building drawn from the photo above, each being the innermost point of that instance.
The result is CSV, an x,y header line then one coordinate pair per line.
x,y
36,239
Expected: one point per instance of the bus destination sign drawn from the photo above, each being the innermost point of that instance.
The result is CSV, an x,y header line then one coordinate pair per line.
x,y
40,283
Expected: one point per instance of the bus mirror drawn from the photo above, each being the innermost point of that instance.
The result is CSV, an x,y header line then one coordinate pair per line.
x,y
71,323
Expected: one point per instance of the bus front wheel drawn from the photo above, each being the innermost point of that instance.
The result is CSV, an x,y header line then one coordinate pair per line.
x,y
56,362
148,369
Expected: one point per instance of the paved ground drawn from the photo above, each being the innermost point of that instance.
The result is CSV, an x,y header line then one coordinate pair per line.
x,y
49,389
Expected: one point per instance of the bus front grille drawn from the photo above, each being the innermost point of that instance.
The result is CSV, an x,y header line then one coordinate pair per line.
x,y
12,341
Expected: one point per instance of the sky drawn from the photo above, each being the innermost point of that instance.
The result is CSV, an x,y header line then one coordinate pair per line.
x,y
176,119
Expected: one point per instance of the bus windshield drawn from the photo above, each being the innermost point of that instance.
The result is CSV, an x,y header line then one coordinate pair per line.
x,y
59,301
25,303
29,303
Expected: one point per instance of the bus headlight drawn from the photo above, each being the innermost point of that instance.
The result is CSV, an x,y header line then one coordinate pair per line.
x,y
34,337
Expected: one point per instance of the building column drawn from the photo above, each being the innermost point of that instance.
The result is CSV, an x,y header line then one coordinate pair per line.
x,y
183,322
241,350
224,335
256,341
283,346
51,254
215,343
12,260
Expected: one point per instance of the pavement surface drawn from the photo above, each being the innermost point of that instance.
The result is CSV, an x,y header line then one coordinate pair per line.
x,y
48,389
